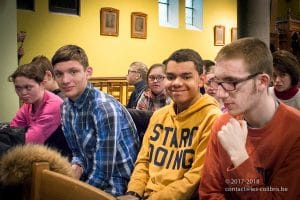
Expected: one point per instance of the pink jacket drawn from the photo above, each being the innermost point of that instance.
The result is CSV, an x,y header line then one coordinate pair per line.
x,y
41,124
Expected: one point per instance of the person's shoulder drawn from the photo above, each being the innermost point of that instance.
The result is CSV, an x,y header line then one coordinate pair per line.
x,y
99,97
288,118
221,120
209,104
298,94
104,101
206,99
290,111
52,98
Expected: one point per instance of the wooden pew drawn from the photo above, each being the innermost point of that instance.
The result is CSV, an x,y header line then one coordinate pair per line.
x,y
50,185
118,87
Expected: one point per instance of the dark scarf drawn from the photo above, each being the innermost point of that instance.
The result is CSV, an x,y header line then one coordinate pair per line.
x,y
285,95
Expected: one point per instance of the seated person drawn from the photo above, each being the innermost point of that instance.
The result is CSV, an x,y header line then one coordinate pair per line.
x,y
50,83
172,153
155,96
254,149
137,75
208,72
98,129
207,68
40,112
286,77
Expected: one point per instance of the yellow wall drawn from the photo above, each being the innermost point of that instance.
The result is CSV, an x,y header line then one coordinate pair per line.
x,y
9,101
109,55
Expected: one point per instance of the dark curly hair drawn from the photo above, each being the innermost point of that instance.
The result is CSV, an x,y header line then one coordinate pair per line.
x,y
184,55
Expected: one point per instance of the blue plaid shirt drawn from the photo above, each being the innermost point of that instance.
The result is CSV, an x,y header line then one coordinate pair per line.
x,y
103,139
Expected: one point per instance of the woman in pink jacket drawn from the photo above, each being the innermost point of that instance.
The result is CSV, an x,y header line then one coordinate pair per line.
x,y
40,112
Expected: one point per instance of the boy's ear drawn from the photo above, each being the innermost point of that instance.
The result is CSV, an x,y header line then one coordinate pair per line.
x,y
202,80
89,72
264,81
48,76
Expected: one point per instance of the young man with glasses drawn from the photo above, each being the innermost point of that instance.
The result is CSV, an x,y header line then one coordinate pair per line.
x,y
155,96
172,154
254,150
137,75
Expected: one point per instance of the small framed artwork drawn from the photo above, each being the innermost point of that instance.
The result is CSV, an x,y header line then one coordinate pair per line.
x,y
233,34
219,35
109,21
138,25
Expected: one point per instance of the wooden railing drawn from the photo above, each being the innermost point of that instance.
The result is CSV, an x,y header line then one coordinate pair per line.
x,y
118,87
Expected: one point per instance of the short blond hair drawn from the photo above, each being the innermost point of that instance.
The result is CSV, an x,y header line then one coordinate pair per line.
x,y
141,68
255,53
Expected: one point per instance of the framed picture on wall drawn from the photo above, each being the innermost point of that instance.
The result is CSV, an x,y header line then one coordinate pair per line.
x,y
109,21
233,34
219,35
138,25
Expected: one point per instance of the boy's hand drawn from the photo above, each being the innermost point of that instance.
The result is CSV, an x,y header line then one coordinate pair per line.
x,y
232,137
77,171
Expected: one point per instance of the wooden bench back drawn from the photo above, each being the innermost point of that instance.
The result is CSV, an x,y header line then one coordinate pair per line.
x,y
118,87
50,185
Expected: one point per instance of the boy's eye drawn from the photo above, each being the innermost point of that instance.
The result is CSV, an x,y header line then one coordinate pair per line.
x,y
73,72
57,74
186,77
170,77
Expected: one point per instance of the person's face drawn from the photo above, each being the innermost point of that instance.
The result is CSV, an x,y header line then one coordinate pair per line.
x,y
208,89
71,77
282,81
183,83
233,74
28,90
157,80
132,76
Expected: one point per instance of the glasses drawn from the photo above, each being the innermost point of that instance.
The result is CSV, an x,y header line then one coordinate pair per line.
x,y
158,78
131,71
230,85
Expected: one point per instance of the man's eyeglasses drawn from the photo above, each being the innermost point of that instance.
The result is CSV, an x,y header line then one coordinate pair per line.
x,y
158,78
131,71
230,85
